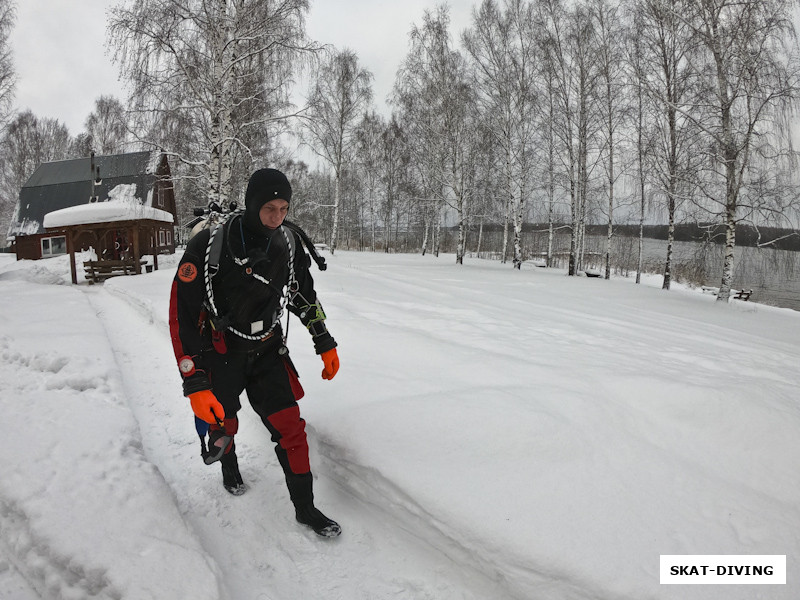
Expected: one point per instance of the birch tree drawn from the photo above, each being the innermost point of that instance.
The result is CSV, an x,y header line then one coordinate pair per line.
x,y
501,43
106,126
460,126
27,142
419,88
340,96
569,54
8,197
222,68
395,160
437,107
413,105
638,68
666,47
369,136
750,71
613,103
7,73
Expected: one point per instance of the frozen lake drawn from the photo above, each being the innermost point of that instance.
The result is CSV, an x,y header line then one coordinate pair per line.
x,y
773,275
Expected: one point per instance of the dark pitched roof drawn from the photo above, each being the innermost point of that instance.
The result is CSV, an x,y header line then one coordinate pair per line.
x,y
65,183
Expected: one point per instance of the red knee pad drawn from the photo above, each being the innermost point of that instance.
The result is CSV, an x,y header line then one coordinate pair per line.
x,y
292,430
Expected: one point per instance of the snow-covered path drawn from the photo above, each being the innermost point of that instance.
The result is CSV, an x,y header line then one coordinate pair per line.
x,y
491,434
83,513
261,551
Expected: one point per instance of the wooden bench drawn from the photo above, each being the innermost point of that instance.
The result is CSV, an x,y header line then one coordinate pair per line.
x,y
735,294
100,270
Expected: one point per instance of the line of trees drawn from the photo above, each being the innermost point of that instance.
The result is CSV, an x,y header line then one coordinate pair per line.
x,y
572,114
587,112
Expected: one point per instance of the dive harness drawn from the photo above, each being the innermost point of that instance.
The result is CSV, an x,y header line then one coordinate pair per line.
x,y
221,323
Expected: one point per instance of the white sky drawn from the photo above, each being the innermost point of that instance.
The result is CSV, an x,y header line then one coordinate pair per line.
x,y
60,59
63,65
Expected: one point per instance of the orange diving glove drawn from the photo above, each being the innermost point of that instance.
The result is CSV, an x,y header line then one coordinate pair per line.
x,y
331,360
206,406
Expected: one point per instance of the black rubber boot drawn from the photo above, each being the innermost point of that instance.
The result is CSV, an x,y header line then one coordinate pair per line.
x,y
231,478
302,495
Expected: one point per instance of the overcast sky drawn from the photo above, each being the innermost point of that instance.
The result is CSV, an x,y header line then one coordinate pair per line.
x,y
63,65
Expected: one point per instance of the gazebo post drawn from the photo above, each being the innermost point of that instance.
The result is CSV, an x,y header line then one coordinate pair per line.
x,y
153,235
136,250
71,249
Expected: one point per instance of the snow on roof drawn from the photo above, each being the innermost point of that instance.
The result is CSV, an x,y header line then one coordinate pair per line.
x,y
152,163
122,205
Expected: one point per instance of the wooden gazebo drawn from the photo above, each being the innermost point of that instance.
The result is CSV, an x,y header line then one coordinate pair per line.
x,y
119,245
120,232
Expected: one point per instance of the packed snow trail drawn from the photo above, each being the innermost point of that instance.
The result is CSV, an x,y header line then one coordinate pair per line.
x,y
491,434
584,476
389,547
71,456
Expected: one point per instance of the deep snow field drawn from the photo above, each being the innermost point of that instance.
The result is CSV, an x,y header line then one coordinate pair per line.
x,y
492,434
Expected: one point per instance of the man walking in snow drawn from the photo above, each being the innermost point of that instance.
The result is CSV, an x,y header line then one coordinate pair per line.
x,y
230,290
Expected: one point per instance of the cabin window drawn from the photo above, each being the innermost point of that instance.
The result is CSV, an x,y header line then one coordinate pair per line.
x,y
169,237
53,246
161,237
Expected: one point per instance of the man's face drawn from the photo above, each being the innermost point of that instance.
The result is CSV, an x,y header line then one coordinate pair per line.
x,y
273,213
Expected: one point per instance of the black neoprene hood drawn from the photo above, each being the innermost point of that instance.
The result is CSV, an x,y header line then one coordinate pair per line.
x,y
264,185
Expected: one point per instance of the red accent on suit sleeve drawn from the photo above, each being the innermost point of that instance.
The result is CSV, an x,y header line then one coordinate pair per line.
x,y
174,326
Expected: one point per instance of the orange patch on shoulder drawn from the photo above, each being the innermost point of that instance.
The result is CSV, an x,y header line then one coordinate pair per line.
x,y
187,272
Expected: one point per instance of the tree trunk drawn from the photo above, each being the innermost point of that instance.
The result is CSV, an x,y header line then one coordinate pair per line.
x,y
462,231
610,234
573,238
551,193
506,221
610,126
518,219
336,196
731,192
640,150
730,244
640,256
425,236
670,243
387,221
372,219
584,186
437,230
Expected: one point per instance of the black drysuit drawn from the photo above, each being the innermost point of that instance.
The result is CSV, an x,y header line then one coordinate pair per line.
x,y
249,289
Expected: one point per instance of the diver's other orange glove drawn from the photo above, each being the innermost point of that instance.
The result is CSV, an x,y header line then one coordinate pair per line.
x,y
331,360
206,406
